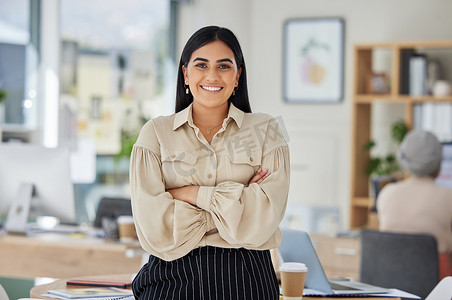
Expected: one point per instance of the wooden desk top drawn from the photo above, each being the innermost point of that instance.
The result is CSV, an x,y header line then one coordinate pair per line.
x,y
65,241
65,256
37,291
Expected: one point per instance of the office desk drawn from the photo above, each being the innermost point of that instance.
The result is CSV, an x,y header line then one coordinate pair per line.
x,y
65,256
37,291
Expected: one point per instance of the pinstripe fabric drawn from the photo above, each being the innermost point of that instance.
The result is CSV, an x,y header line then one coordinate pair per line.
x,y
209,273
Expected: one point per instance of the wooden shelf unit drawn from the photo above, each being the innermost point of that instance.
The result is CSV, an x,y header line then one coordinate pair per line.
x,y
363,99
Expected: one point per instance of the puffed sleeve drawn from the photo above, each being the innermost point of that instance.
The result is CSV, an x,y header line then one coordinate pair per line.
x,y
166,228
248,216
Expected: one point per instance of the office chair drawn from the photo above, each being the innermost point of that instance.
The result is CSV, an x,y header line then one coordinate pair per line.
x,y
112,208
405,261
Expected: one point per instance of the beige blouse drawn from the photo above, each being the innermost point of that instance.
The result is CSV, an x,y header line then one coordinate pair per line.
x,y
417,205
171,152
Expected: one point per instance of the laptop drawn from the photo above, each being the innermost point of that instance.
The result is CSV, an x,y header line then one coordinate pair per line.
x,y
315,277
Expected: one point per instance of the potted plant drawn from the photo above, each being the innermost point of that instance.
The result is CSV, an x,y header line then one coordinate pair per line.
x,y
384,169
128,139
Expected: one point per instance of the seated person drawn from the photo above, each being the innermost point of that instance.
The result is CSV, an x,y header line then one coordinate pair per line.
x,y
416,204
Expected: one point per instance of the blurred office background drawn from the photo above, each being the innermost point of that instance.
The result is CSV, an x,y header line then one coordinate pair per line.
x,y
88,74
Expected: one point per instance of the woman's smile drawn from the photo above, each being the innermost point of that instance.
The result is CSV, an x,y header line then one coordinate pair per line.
x,y
212,89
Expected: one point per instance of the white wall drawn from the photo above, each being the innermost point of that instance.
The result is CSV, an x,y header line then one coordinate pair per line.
x,y
233,14
319,133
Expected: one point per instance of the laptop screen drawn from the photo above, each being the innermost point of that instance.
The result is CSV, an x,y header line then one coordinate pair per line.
x,y
305,252
296,246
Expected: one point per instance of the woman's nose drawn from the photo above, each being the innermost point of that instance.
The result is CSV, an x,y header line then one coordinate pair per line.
x,y
212,74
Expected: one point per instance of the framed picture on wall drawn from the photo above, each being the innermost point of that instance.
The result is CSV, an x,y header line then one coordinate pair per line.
x,y
313,63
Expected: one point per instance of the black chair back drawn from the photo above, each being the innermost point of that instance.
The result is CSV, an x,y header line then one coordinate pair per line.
x,y
112,208
408,262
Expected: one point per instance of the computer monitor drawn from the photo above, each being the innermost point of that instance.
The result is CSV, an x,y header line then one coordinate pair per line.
x,y
445,176
42,173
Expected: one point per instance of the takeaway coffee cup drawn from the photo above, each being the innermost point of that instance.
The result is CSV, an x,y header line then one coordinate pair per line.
x,y
126,229
293,276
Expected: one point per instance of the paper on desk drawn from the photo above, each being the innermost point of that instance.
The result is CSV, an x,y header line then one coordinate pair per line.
x,y
391,293
129,297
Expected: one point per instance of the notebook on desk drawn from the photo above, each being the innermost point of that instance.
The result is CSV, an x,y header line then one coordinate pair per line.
x,y
317,280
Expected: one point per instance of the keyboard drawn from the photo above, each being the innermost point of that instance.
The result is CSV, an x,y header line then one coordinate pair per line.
x,y
336,286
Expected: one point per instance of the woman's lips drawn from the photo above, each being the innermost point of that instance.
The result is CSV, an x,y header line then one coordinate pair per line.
x,y
211,88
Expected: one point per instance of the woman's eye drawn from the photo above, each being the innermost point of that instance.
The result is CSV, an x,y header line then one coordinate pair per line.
x,y
224,67
201,65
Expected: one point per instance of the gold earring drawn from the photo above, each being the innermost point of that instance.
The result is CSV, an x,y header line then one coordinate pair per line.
x,y
187,91
233,92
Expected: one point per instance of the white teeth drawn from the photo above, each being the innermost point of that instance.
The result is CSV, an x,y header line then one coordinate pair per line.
x,y
211,88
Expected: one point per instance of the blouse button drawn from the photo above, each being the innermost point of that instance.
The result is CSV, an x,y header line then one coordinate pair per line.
x,y
173,156
209,175
251,159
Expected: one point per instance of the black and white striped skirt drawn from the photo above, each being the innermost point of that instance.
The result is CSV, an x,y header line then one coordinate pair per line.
x,y
209,273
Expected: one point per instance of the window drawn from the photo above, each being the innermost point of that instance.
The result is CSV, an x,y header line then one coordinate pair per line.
x,y
115,71
115,74
112,68
18,62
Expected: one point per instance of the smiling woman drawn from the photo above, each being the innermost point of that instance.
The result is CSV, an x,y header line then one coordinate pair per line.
x,y
209,183
212,76
235,61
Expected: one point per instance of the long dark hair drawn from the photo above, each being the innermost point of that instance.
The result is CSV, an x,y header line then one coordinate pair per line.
x,y
200,38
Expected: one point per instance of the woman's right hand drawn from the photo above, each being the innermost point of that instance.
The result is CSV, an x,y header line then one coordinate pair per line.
x,y
260,175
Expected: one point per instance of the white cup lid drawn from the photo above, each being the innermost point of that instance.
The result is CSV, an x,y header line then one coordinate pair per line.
x,y
125,220
293,267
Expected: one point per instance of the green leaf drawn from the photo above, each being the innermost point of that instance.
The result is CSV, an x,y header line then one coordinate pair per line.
x,y
373,166
3,95
399,130
390,158
369,145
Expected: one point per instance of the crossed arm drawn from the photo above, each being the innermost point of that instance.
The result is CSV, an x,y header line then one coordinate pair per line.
x,y
189,193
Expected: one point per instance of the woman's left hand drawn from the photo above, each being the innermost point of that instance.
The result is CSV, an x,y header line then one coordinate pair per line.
x,y
187,194
259,176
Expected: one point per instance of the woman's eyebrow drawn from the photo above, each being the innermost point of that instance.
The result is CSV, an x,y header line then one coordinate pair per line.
x,y
201,59
225,59
218,61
